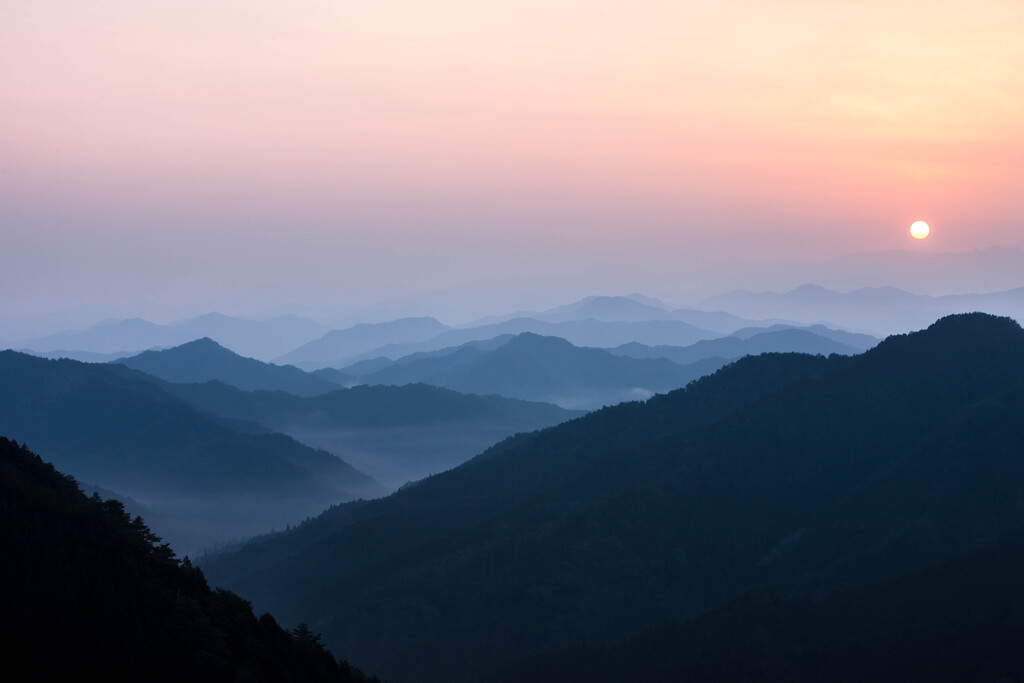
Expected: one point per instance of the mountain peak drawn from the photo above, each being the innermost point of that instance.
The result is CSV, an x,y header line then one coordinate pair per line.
x,y
973,332
203,359
204,343
532,340
976,323
197,350
979,348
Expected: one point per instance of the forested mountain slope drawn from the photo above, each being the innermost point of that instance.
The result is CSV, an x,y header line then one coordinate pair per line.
x,y
962,620
785,470
88,593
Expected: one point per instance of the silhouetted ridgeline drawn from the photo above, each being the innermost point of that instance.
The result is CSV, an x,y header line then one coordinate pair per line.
x,y
87,593
807,474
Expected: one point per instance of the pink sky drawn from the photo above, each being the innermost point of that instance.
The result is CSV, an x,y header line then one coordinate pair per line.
x,y
186,149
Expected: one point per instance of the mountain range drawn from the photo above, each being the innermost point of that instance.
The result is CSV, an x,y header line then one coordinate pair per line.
x,y
596,321
334,348
634,308
803,473
395,434
778,339
206,479
204,360
325,352
531,367
550,369
263,339
878,310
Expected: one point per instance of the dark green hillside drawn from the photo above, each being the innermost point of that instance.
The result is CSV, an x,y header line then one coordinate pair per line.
x,y
960,621
204,360
116,428
600,527
88,593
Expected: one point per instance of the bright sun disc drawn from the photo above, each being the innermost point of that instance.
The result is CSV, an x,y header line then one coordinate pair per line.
x,y
919,230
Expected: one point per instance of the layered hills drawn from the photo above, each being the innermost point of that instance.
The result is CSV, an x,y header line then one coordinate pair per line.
x,y
262,339
334,349
800,472
339,347
206,479
394,433
595,321
205,360
550,369
536,368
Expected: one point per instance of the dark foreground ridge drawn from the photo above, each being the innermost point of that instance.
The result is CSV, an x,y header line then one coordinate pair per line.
x,y
960,621
87,593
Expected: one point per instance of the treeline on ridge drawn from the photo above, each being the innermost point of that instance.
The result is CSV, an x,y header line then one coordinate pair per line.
x,y
88,592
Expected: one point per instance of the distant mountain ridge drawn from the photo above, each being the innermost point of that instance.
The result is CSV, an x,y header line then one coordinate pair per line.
x,y
532,367
592,333
879,310
336,347
853,339
254,338
549,369
595,321
791,340
606,308
632,308
204,360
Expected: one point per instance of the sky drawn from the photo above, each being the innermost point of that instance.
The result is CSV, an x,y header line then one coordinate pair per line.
x,y
261,153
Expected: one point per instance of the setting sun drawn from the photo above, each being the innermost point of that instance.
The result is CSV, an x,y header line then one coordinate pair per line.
x,y
919,230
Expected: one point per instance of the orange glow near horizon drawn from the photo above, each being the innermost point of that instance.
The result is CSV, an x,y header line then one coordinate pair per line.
x,y
766,116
